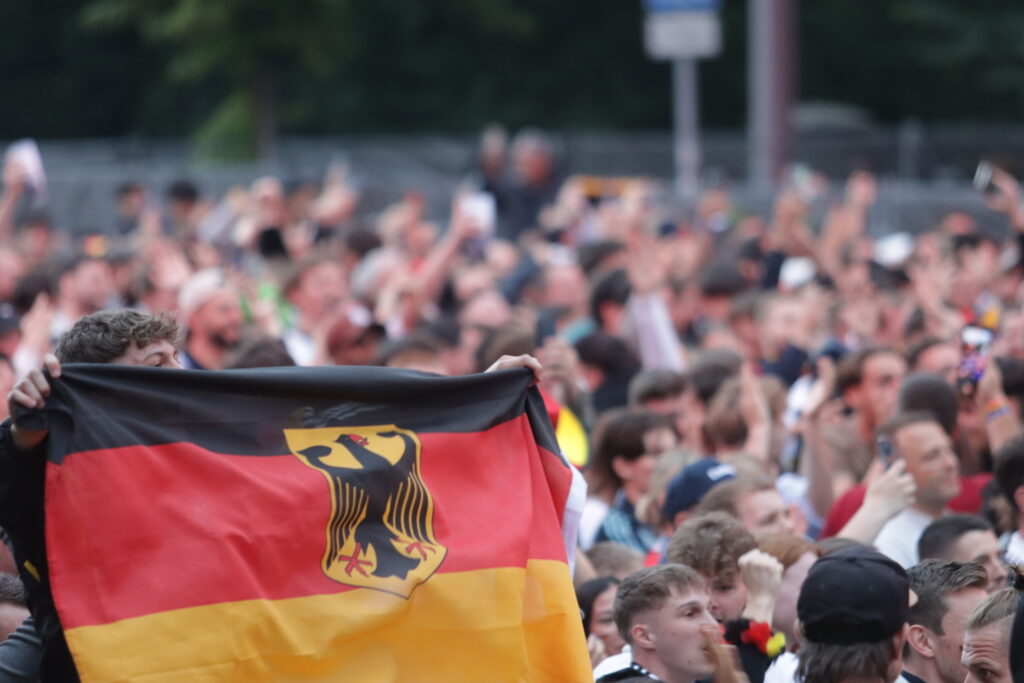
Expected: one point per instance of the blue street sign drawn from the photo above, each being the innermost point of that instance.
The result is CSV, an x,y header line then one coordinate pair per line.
x,y
682,5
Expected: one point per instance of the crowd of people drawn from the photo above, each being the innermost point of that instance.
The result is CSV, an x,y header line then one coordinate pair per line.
x,y
800,441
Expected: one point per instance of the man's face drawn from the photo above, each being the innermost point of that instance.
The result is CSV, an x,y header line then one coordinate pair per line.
x,y
674,633
949,646
942,360
219,319
159,354
764,512
880,386
987,654
930,460
982,547
93,284
321,288
727,596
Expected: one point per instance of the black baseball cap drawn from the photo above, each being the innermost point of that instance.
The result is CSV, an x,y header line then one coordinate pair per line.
x,y
854,595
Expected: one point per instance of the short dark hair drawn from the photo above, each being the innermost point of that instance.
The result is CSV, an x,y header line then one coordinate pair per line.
x,y
620,433
919,348
710,371
923,391
105,335
711,543
938,538
850,372
182,190
261,352
654,385
611,287
1009,469
933,581
722,278
607,352
648,589
830,663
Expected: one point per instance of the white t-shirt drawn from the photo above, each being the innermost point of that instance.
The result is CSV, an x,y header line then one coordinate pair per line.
x,y
1015,549
898,538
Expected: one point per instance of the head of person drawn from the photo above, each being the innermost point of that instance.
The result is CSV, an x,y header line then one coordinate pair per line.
x,y
661,612
852,611
713,545
754,501
797,555
869,381
663,391
687,489
13,610
131,198
927,450
720,282
121,337
947,593
930,393
627,446
353,338
85,283
608,298
986,654
417,351
777,316
935,356
614,559
596,599
182,197
209,305
1009,474
316,287
965,538
533,157
260,352
724,425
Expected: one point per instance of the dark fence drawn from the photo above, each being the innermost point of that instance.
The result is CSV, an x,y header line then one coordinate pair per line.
x,y
925,170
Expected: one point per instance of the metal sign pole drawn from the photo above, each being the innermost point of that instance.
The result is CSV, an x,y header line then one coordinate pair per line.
x,y
685,114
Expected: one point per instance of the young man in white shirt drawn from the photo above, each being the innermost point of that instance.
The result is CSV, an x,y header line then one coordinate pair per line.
x,y
928,454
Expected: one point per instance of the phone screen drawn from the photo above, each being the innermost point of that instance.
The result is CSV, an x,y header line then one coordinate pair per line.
x,y
975,343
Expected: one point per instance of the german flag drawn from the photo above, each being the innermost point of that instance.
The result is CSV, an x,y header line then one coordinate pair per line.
x,y
310,524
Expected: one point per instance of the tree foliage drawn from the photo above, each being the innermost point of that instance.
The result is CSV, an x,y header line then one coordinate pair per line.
x,y
195,67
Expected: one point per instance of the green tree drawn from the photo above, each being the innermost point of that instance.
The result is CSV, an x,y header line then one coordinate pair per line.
x,y
247,43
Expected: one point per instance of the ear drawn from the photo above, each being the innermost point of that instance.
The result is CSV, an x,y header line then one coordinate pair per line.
x,y
680,517
920,640
622,467
642,636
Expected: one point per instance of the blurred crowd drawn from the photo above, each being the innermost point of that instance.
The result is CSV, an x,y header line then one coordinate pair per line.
x,y
744,393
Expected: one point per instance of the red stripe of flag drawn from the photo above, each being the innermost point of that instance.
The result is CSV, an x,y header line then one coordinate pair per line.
x,y
138,530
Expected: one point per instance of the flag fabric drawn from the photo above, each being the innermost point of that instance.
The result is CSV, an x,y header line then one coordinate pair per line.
x,y
310,524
